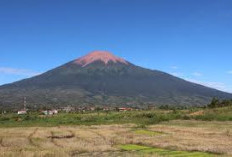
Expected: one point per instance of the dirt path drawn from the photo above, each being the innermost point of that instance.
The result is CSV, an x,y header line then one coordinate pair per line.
x,y
54,137
30,138
53,140
1,142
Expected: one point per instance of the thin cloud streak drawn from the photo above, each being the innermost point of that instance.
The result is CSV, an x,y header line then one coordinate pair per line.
x,y
216,85
16,71
174,67
197,74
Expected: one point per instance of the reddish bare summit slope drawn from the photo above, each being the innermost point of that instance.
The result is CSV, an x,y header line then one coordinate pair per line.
x,y
103,56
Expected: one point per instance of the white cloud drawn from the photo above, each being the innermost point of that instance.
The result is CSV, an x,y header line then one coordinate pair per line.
x,y
174,67
197,74
15,71
216,85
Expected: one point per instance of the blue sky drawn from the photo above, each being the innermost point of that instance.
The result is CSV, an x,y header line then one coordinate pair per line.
x,y
191,39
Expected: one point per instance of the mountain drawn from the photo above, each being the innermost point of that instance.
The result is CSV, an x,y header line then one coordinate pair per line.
x,y
102,79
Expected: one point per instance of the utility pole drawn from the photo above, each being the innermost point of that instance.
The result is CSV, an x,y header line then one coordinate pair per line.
x,y
25,103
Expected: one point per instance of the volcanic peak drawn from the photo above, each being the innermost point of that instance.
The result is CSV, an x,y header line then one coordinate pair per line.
x,y
103,56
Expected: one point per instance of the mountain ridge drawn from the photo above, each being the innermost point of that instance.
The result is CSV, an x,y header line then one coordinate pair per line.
x,y
106,80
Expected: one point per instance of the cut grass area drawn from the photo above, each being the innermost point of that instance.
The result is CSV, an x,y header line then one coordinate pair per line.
x,y
105,140
147,132
163,152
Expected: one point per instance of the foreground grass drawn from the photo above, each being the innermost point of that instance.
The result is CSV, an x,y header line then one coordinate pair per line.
x,y
163,152
196,132
173,138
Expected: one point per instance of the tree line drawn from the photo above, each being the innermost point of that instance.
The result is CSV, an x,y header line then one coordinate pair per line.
x,y
219,103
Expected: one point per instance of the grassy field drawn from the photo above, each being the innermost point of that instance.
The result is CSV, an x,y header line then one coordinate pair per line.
x,y
141,118
92,118
173,138
174,133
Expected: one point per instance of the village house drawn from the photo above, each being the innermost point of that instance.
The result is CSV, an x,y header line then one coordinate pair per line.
x,y
92,108
124,109
106,109
50,112
21,112
68,109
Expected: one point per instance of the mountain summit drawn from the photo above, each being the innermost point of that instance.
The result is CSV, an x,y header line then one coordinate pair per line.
x,y
104,56
102,79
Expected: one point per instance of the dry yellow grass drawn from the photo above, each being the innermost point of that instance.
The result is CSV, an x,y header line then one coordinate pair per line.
x,y
103,140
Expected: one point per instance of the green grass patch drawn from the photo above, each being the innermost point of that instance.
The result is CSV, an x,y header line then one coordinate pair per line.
x,y
163,152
